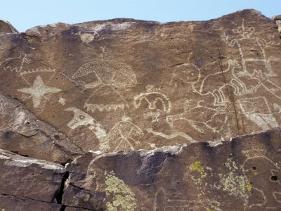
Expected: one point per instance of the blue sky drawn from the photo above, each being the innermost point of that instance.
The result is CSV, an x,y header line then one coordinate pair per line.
x,y
24,14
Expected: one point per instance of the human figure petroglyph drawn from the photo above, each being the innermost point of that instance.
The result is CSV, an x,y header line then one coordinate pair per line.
x,y
255,62
156,102
258,111
201,117
123,136
261,168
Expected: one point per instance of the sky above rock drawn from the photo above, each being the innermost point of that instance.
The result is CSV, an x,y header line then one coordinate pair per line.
x,y
26,14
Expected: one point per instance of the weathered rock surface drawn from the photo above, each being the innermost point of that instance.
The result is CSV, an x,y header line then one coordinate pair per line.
x,y
278,22
126,84
6,27
243,174
21,132
28,183
136,115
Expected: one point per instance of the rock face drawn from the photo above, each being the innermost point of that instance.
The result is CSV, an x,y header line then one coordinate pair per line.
x,y
27,183
231,176
137,115
6,27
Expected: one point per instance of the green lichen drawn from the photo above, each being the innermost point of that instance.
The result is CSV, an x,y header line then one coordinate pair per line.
x,y
198,168
122,197
234,183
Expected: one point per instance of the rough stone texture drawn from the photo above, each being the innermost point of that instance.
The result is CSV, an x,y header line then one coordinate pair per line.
x,y
231,176
6,27
194,108
23,133
10,203
28,182
278,22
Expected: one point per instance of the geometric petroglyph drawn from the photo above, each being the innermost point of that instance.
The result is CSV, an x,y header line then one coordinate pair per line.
x,y
38,91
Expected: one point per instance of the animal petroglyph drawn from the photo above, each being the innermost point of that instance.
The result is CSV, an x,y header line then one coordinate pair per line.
x,y
81,118
117,75
172,135
38,91
123,136
213,84
22,65
258,111
15,64
105,74
156,102
201,117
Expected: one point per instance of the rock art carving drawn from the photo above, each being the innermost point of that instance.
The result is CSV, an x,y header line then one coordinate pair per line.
x,y
81,118
172,135
191,74
98,75
213,117
123,136
38,91
255,63
156,102
15,64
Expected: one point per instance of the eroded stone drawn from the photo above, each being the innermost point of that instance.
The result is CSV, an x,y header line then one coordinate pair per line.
x,y
24,179
243,174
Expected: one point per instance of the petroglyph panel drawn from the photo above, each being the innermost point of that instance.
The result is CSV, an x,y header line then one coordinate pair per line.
x,y
128,85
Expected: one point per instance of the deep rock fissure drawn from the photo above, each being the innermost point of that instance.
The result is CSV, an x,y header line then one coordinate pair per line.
x,y
59,194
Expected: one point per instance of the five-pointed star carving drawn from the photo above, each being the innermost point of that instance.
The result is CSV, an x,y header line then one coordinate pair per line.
x,y
38,90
